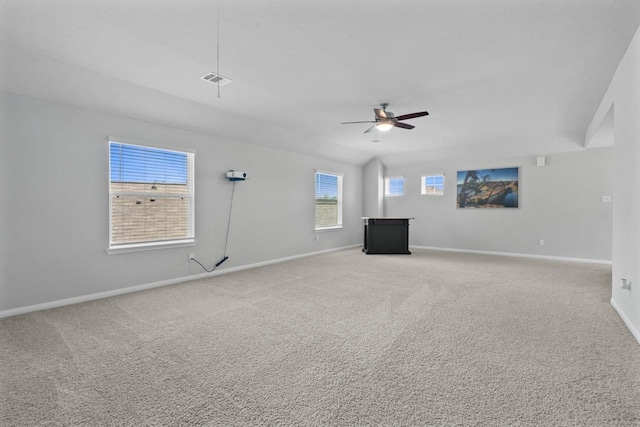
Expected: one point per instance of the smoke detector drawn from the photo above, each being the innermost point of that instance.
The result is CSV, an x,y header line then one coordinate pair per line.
x,y
216,79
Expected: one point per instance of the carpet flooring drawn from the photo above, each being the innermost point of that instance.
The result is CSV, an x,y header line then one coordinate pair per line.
x,y
338,339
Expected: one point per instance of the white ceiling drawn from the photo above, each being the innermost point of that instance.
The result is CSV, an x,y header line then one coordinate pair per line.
x,y
498,77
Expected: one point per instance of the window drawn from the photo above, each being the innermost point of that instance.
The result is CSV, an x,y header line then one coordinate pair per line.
x,y
394,186
151,197
328,200
433,185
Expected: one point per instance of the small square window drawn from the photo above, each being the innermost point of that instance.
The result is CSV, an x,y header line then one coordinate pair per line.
x,y
433,185
394,186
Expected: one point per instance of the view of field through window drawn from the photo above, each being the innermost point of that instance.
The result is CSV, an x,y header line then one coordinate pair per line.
x,y
328,203
150,194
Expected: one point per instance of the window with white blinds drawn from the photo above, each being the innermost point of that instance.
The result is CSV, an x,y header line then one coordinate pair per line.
x,y
328,200
394,186
151,196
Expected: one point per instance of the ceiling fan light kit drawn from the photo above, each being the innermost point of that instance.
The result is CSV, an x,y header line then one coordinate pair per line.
x,y
384,126
385,120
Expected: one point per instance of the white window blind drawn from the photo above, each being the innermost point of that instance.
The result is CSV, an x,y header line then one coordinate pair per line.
x,y
328,200
151,195
433,185
394,186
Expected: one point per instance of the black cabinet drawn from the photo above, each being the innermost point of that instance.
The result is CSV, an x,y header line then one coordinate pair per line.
x,y
386,236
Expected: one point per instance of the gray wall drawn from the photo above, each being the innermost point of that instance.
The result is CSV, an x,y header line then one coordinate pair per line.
x,y
373,188
55,204
5,179
559,203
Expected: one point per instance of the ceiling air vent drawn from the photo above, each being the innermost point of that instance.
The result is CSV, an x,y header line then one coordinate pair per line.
x,y
216,79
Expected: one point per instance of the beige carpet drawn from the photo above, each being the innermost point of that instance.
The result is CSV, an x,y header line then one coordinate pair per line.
x,y
338,339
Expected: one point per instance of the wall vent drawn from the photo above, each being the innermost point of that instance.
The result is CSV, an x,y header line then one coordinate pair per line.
x,y
216,79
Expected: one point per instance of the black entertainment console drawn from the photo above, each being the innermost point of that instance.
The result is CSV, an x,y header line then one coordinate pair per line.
x,y
386,236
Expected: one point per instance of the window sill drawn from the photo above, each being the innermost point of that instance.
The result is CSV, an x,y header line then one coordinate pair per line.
x,y
333,228
140,247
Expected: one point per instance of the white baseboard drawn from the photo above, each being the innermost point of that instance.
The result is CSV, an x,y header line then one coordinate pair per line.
x,y
625,319
554,258
106,294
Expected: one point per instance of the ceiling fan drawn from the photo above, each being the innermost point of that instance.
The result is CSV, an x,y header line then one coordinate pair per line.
x,y
385,120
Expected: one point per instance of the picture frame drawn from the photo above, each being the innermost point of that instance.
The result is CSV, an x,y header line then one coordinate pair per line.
x,y
488,188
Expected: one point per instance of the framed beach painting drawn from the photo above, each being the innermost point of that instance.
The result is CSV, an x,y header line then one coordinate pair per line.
x,y
488,188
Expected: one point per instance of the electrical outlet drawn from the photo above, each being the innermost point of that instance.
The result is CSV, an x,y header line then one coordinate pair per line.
x,y
540,242
192,256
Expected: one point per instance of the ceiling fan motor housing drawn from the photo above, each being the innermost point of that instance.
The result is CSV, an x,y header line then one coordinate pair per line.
x,y
384,120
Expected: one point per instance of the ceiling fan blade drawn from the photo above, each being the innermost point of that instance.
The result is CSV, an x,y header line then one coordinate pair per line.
x,y
370,129
380,113
348,123
412,115
403,125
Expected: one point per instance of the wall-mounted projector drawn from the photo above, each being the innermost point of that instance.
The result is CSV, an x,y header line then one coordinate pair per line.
x,y
236,175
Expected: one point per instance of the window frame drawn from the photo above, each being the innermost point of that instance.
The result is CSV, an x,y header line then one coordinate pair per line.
x,y
189,239
339,204
387,183
423,185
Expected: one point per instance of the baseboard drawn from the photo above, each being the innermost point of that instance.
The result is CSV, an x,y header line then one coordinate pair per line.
x,y
106,294
548,257
625,319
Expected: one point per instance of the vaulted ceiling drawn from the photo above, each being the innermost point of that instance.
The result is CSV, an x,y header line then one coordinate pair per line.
x,y
498,77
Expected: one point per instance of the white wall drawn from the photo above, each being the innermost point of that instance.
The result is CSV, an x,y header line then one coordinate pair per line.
x,y
624,96
373,188
5,177
559,203
55,204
